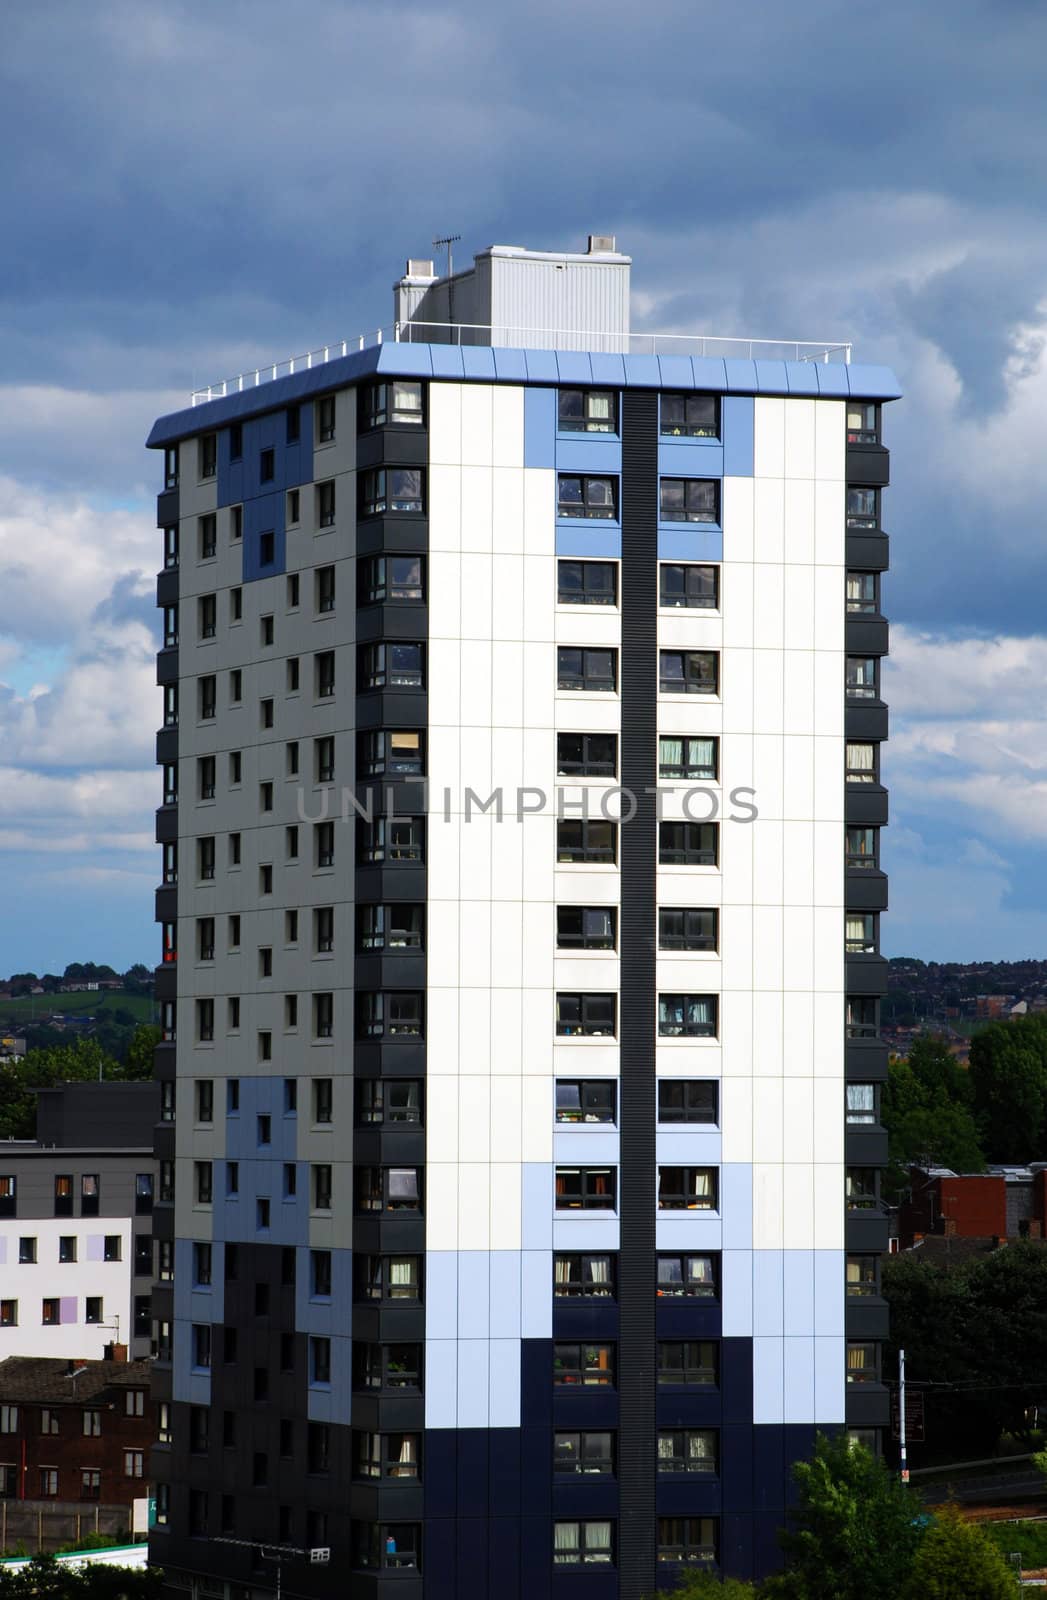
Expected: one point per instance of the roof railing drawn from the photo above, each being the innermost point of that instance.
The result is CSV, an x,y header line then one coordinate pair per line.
x,y
506,335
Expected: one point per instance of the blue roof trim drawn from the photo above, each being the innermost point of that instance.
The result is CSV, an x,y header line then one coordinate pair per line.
x,y
481,364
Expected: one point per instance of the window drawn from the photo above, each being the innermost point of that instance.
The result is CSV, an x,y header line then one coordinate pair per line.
x,y
586,583
861,677
9,1196
392,927
862,1361
292,675
398,753
134,1403
112,1247
266,548
398,403
590,669
323,1016
391,490
388,1278
92,1424
863,592
388,1455
236,523
863,422
207,616
265,803
49,1422
680,928
205,858
291,832
860,933
266,466
205,938
323,663
396,579
322,1100
584,840
687,1277
320,1274
688,1100
861,1103
208,455
589,1366
321,1187
586,927
586,755
8,1419
323,751
48,1481
170,705
586,1188
689,671
323,833
205,772
387,1366
861,848
236,605
170,627
863,1017
171,547
689,500
578,1544
583,1277
67,1248
236,441
201,1344
63,1194
234,932
325,412
171,467
586,497
692,1016
134,1463
585,1100
27,1251
690,416
203,1184
388,1546
861,763
688,1450
268,630
686,585
205,1021
862,1276
236,767
862,1187
142,1256
170,784
265,961
325,589
8,1313
691,1541
381,1100
585,1015
391,666
388,1189
208,531
90,1483
393,1014
688,1189
323,929
688,844
392,840
688,1361
863,507
586,411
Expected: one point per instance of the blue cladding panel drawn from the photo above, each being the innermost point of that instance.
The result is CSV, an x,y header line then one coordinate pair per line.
x,y
771,377
676,372
542,367
325,1317
537,1205
870,383
768,1381
601,541
441,1294
474,1293
768,1291
690,458
539,427
829,1379
736,1183
580,452
829,1292
741,376
575,1232
536,1274
441,1383
399,360
608,370
799,1290
447,361
643,371
799,1380
574,367
832,380
690,543
510,365
709,373
801,377
478,362
473,1383
700,1145
738,428
585,1144
736,1270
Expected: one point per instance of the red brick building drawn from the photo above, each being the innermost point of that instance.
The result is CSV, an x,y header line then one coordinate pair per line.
x,y
1003,1203
75,1430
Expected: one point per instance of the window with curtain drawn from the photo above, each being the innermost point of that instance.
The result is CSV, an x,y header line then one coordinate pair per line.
x,y
687,1189
687,1015
687,757
860,933
860,762
861,1102
861,1363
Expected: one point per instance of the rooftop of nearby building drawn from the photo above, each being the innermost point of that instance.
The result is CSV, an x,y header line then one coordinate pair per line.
x,y
52,1381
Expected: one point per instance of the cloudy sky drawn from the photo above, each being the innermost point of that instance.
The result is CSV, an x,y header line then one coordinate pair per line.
x,y
191,188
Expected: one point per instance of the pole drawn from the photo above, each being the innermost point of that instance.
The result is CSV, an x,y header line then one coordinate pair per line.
x,y
901,1414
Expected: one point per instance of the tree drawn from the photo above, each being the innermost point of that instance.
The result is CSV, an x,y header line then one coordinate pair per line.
x,y
926,1111
708,1586
44,1578
138,1063
1008,1077
957,1561
854,1533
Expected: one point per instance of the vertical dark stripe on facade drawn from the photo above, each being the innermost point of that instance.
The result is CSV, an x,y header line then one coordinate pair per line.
x,y
637,1378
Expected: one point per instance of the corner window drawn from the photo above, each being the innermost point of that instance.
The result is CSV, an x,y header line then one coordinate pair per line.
x,y
863,422
687,585
862,1276
590,498
171,546
691,1016
689,416
863,508
387,1366
690,1362
688,756
863,1361
398,580
861,848
586,755
689,500
861,763
583,1544
171,467
687,1277
391,666
583,1277
584,1100
394,840
680,928
392,1014
395,1189
585,1015
392,490
388,1547
387,1455
688,1100
391,927
688,1189
586,927
862,677
398,403
861,1104
863,593
689,671
688,844
861,933
586,669
585,1188
586,411
589,1366
587,583
862,1188
388,1277
382,751
863,1017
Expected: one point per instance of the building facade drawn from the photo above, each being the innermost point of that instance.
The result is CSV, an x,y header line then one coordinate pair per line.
x,y
76,1253
520,949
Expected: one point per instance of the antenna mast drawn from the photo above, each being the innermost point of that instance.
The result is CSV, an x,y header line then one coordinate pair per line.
x,y
447,242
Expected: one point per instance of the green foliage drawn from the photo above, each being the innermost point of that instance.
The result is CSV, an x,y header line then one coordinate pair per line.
x,y
138,1063
708,1586
84,1060
1028,1539
957,1561
45,1579
1009,1088
855,1532
927,1113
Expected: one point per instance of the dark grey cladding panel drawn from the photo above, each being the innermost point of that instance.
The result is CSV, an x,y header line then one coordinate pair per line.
x,y
867,1317
403,534
865,805
167,824
396,447
167,666
868,1405
166,747
392,622
865,719
865,1060
392,708
866,636
866,975
868,464
865,1147
865,890
868,552
167,508
167,587
166,904
865,1232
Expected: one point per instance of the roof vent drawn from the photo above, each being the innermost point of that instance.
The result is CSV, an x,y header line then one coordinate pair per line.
x,y
419,268
601,244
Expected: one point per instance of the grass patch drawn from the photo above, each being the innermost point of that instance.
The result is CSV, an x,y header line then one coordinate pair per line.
x,y
38,1007
1028,1537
